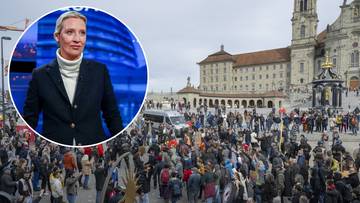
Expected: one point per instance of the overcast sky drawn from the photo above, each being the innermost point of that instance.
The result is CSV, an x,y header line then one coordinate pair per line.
x,y
177,34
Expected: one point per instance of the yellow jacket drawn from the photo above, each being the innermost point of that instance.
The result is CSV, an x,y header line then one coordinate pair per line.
x,y
335,166
338,119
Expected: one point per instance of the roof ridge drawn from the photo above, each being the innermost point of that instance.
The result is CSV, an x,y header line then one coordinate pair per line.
x,y
254,52
221,52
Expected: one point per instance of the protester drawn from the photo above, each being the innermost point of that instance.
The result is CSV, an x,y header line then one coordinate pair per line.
x,y
234,156
57,191
72,185
86,170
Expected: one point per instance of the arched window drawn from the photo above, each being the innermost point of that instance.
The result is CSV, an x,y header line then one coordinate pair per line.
x,y
355,58
303,5
301,68
302,31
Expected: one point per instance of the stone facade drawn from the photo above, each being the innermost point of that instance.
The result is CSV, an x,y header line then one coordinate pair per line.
x,y
342,44
243,73
290,68
225,72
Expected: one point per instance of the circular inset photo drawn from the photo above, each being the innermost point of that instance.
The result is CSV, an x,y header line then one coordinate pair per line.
x,y
78,76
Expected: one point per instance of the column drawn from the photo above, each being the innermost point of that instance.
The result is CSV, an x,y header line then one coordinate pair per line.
x,y
322,100
335,96
340,96
314,97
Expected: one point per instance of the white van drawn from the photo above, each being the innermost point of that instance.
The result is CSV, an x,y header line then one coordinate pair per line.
x,y
173,118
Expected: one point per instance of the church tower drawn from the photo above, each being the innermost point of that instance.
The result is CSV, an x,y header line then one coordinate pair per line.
x,y
304,30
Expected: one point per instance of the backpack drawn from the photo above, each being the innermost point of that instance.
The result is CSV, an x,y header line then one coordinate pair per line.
x,y
209,190
165,176
176,188
353,121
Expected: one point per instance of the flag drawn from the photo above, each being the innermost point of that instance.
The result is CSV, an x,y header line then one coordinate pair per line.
x,y
100,149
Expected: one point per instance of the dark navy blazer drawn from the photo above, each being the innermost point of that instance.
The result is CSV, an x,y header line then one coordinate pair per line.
x,y
81,120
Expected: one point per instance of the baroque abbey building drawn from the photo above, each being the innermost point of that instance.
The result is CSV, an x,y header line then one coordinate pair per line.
x,y
263,78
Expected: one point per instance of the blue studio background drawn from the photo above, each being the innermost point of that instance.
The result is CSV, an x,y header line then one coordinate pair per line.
x,y
108,41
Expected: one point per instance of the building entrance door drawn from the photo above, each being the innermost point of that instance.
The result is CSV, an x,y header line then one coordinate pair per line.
x,y
354,83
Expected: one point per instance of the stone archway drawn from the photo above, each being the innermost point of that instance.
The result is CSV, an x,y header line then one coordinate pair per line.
x,y
194,103
354,83
216,102
237,103
205,102
200,102
211,104
244,103
270,104
223,102
252,103
230,103
259,103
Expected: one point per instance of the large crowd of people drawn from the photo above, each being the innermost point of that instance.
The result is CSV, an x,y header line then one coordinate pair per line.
x,y
32,169
223,156
250,157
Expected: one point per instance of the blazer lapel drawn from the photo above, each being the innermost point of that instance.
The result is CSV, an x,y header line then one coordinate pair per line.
x,y
81,82
54,72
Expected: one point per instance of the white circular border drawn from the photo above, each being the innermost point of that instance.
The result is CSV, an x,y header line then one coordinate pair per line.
x,y
74,8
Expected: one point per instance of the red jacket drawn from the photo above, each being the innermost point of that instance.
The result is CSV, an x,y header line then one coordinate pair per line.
x,y
187,174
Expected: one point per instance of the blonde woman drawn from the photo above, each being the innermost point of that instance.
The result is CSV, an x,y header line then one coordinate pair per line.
x,y
57,190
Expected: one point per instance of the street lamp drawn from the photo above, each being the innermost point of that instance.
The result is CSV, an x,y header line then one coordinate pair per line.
x,y
2,82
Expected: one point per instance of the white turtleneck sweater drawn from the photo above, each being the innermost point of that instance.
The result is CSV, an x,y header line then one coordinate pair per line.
x,y
69,71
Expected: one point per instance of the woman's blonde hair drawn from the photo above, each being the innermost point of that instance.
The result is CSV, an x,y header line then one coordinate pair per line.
x,y
66,15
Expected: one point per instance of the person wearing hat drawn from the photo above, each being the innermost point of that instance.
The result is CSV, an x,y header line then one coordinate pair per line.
x,y
319,149
332,194
253,140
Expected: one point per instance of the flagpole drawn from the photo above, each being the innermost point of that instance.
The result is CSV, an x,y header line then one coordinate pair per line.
x,y
281,130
